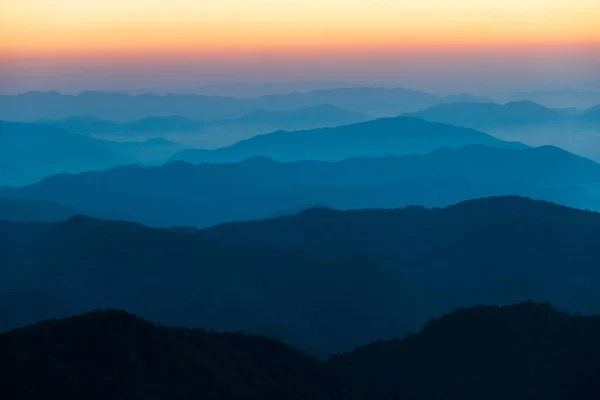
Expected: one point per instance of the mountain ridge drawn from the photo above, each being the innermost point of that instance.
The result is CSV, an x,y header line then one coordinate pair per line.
x,y
395,136
206,194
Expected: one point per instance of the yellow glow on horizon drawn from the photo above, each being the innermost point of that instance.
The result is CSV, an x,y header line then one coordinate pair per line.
x,y
126,28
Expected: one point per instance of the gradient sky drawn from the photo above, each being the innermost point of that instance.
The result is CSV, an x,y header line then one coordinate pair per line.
x,y
71,43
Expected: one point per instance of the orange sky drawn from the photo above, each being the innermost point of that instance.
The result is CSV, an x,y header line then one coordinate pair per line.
x,y
130,28
49,37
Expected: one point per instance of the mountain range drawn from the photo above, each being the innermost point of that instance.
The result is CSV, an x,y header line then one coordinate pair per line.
x,y
122,107
214,133
565,98
30,152
492,115
527,122
148,125
303,118
381,137
208,194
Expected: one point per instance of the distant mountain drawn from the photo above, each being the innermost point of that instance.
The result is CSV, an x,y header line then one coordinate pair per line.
x,y
250,90
560,98
123,107
177,277
30,152
316,116
466,98
223,131
164,124
489,251
31,210
83,125
592,114
150,125
524,351
386,136
490,115
117,106
37,151
525,122
376,102
112,354
207,194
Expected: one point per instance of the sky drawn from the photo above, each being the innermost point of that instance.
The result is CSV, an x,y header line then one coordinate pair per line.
x,y
445,44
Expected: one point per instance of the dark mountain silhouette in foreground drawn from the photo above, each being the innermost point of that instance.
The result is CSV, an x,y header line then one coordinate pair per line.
x,y
115,355
208,194
30,152
487,251
178,277
525,351
381,137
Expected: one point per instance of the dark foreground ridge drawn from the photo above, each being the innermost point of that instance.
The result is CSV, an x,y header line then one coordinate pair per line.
x,y
115,355
525,351
323,280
